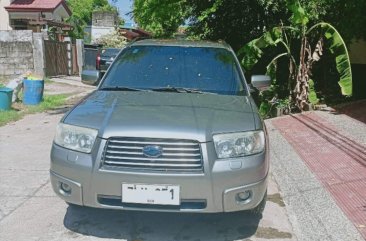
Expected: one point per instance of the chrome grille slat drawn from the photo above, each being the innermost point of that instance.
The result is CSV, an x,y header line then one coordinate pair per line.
x,y
165,154
149,158
154,164
154,143
165,148
178,155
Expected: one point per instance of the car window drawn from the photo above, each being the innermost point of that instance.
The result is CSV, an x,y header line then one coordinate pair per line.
x,y
110,52
148,67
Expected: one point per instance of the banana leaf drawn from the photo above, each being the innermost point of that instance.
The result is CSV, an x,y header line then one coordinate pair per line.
x,y
252,51
299,16
338,48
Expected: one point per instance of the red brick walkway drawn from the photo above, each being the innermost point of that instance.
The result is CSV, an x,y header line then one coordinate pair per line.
x,y
338,162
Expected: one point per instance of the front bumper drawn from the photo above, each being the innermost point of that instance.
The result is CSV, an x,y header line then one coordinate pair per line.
x,y
214,190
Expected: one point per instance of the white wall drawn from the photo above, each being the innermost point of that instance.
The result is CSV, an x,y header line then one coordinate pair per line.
x,y
97,32
4,16
60,13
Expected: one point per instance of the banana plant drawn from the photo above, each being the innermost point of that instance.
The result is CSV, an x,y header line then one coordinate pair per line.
x,y
300,71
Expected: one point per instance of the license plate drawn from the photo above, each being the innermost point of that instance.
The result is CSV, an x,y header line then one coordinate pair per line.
x,y
150,194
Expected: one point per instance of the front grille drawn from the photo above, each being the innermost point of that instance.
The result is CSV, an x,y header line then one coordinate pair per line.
x,y
177,155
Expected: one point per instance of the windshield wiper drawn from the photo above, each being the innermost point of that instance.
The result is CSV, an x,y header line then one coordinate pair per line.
x,y
120,88
178,90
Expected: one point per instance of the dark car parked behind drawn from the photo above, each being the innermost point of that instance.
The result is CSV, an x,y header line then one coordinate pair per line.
x,y
96,63
106,57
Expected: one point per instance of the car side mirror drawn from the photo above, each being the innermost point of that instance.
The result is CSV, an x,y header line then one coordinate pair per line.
x,y
90,77
261,82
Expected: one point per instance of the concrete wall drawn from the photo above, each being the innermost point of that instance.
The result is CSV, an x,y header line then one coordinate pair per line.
x,y
39,54
105,19
20,51
103,23
97,32
4,16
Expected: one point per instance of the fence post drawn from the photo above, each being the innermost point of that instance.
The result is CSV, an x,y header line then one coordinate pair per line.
x,y
38,54
80,54
69,57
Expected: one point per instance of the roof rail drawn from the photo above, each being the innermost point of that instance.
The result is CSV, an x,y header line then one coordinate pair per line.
x,y
139,39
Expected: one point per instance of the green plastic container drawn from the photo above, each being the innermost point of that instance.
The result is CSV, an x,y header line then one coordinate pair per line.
x,y
5,98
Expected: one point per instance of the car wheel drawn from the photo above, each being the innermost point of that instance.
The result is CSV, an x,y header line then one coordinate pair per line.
x,y
259,209
72,205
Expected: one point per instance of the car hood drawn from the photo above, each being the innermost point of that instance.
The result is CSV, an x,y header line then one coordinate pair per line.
x,y
163,115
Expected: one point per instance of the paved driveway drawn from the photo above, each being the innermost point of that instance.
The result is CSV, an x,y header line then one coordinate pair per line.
x,y
29,210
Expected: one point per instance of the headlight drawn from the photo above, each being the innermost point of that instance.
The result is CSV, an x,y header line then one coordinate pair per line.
x,y
239,144
75,137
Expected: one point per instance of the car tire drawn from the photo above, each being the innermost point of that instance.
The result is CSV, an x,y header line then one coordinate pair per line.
x,y
73,205
258,210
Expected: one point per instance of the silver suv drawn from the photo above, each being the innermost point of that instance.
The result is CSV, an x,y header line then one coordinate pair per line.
x,y
171,127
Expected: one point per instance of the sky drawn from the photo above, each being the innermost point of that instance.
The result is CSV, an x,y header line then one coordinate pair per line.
x,y
124,7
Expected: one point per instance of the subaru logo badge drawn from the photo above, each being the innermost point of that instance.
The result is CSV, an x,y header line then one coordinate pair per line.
x,y
152,151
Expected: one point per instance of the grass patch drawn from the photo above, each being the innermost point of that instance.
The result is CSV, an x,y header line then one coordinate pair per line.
x,y
10,116
19,110
48,80
49,102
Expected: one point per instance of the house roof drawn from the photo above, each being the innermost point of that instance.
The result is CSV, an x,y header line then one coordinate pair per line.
x,y
131,33
37,5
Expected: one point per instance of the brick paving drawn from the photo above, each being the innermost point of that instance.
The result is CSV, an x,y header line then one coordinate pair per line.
x,y
337,161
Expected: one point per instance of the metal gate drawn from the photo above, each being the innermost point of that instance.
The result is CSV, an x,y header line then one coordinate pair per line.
x,y
56,58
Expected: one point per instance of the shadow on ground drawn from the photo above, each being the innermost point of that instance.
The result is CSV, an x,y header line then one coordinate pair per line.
x,y
134,226
59,110
355,110
350,147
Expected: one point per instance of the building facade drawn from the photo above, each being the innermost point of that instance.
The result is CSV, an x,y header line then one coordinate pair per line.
x,y
4,15
35,15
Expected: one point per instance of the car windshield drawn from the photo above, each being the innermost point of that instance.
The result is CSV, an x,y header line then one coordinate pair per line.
x,y
158,68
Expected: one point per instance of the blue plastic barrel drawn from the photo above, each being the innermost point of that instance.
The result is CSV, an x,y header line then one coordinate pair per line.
x,y
5,98
32,91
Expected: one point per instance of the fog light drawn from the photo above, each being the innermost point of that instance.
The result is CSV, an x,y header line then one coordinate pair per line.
x,y
243,196
65,187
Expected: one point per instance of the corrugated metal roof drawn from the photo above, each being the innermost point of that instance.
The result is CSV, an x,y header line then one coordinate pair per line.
x,y
34,5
